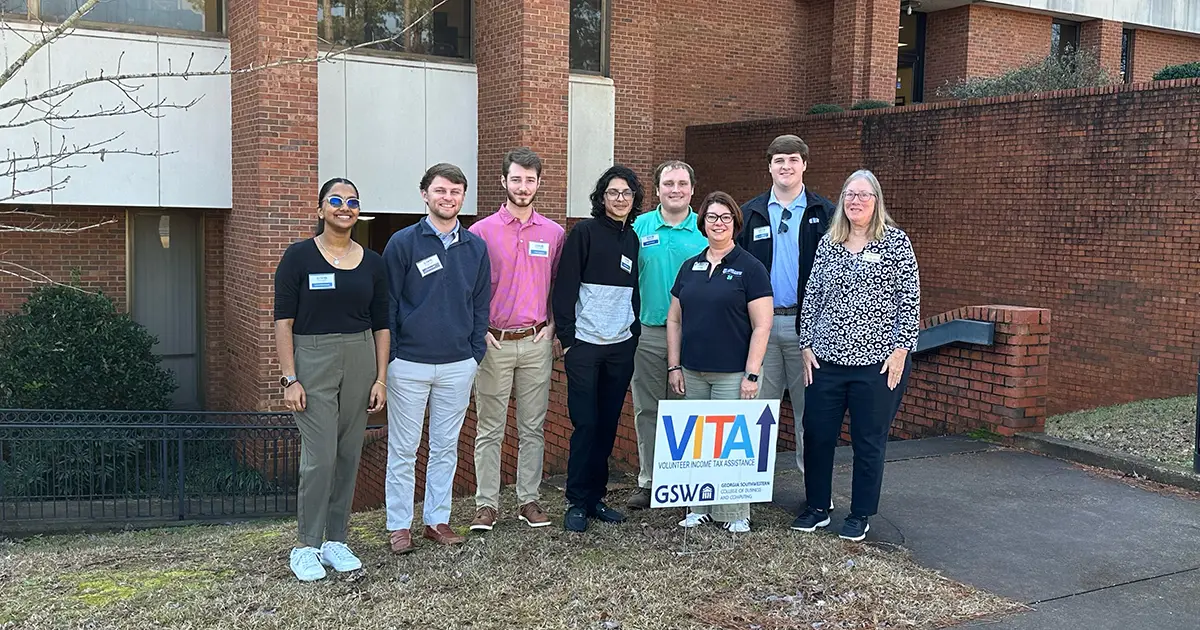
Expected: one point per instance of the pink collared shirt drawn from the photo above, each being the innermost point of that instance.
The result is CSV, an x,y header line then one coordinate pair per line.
x,y
524,259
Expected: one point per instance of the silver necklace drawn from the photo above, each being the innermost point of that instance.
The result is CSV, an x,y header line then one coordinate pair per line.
x,y
337,260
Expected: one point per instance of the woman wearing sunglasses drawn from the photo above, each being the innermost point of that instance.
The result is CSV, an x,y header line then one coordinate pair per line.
x,y
718,325
331,333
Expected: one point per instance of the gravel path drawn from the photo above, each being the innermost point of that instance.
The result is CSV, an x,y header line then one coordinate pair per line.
x,y
1161,430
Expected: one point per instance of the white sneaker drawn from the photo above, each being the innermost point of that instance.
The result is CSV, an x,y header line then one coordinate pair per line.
x,y
338,556
306,564
693,520
738,527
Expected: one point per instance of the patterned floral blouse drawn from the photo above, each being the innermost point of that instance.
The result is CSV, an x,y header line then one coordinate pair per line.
x,y
858,308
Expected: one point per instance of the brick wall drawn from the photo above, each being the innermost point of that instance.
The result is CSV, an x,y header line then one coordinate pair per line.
x,y
1153,51
96,255
863,51
214,309
1076,204
1103,38
1002,388
981,41
274,117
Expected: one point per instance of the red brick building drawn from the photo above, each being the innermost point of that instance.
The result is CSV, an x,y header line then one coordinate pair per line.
x,y
200,225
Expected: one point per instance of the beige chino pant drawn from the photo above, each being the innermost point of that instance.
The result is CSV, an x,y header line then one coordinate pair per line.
x,y
649,387
529,365
716,386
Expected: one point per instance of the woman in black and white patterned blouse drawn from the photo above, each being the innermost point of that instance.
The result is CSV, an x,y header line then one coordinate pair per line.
x,y
858,325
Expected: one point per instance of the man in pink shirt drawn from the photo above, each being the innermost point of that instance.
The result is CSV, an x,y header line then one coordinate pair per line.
x,y
524,248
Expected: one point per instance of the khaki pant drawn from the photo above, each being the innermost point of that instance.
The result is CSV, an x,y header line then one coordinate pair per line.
x,y
337,372
716,386
649,387
784,369
529,364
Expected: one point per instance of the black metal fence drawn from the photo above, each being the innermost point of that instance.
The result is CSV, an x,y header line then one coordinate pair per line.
x,y
59,469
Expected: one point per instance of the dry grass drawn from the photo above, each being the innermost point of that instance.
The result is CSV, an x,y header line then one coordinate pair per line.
x,y
1160,430
614,576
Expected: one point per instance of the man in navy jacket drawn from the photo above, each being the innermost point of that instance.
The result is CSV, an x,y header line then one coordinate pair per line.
x,y
439,290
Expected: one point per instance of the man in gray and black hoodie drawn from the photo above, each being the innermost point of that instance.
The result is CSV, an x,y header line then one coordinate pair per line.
x,y
596,307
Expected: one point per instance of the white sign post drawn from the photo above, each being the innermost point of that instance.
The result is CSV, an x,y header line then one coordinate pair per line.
x,y
713,452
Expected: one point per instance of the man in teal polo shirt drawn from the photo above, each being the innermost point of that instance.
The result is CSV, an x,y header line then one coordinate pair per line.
x,y
668,236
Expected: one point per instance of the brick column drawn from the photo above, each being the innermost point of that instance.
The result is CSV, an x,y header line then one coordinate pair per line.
x,y
1103,38
274,183
863,61
634,71
523,65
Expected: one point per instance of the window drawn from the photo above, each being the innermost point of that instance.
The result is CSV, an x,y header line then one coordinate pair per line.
x,y
1064,38
589,36
910,61
182,15
1127,55
444,32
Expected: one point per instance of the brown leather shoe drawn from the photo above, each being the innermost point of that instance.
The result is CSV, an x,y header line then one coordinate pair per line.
x,y
402,541
534,515
443,535
485,519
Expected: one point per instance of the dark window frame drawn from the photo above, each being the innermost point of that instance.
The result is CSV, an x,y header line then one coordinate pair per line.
x,y
468,7
605,41
1128,42
1056,43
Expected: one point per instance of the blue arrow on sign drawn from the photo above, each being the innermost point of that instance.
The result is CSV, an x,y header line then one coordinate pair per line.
x,y
764,437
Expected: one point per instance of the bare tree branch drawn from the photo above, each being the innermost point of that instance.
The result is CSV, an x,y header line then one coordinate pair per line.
x,y
188,73
37,224
34,277
65,26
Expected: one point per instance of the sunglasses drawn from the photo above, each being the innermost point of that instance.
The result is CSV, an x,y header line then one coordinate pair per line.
x,y
335,201
783,219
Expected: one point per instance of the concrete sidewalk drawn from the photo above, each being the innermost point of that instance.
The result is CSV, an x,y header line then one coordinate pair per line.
x,y
1085,552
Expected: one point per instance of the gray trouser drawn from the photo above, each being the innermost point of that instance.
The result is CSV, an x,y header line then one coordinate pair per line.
x,y
649,387
337,372
716,386
784,369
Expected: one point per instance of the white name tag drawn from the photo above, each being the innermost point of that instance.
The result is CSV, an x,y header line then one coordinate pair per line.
x,y
762,233
626,265
814,219
650,240
700,266
539,249
872,256
321,282
429,265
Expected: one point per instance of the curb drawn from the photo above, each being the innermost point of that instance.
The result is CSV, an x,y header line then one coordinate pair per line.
x,y
1103,458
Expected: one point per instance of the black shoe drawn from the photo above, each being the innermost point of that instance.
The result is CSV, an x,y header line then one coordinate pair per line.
x,y
576,520
639,500
604,513
810,519
855,528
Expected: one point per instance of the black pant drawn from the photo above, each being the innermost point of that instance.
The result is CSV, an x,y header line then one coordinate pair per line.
x,y
872,407
597,379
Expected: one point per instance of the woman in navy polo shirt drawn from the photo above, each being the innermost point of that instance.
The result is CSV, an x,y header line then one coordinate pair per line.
x,y
717,329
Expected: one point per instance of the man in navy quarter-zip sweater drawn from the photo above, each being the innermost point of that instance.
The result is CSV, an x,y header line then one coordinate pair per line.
x,y
596,305
439,292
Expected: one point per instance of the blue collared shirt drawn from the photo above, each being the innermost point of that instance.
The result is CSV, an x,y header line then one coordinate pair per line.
x,y
448,238
785,264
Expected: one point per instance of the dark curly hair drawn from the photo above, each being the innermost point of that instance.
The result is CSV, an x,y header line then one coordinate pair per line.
x,y
618,171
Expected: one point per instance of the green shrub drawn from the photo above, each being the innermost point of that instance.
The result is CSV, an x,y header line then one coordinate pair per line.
x,y
826,108
1181,71
67,349
1075,70
870,104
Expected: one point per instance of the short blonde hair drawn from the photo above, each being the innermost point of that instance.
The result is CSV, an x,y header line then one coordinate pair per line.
x,y
839,230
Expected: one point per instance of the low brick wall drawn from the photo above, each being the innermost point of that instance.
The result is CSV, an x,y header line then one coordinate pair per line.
x,y
954,389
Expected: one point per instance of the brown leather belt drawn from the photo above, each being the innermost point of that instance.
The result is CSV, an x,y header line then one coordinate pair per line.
x,y
787,310
516,333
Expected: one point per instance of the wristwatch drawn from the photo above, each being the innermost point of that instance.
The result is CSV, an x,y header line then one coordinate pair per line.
x,y
286,381
752,377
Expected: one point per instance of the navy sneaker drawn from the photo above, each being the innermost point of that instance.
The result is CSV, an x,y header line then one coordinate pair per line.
x,y
855,528
575,520
606,514
810,519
